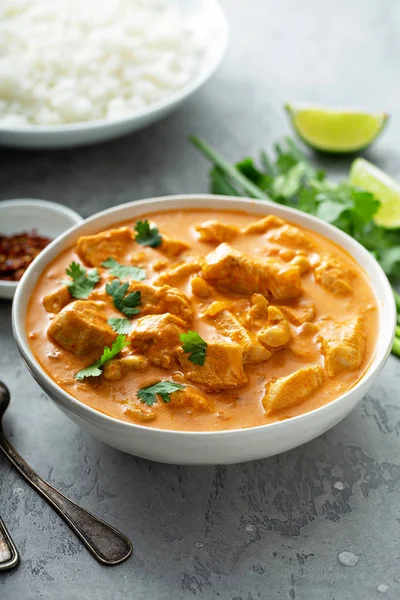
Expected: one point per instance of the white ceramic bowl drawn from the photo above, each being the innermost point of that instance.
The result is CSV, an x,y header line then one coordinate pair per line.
x,y
209,23
220,446
47,218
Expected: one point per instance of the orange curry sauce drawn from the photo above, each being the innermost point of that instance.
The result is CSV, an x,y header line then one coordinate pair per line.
x,y
241,406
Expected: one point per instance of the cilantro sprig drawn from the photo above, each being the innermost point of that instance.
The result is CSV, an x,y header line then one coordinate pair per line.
x,y
123,271
96,368
125,303
164,389
147,235
120,325
289,178
195,346
82,281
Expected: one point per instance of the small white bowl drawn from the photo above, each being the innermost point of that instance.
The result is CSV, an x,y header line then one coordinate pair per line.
x,y
47,218
207,20
215,447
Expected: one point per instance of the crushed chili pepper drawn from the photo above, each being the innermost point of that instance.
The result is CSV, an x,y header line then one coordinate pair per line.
x,y
18,251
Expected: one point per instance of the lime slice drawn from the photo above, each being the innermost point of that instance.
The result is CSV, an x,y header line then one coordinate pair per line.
x,y
336,129
367,176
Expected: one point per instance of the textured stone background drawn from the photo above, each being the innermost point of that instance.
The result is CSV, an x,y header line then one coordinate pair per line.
x,y
271,529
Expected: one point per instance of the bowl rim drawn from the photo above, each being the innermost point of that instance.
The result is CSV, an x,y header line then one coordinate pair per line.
x,y
75,217
205,72
186,201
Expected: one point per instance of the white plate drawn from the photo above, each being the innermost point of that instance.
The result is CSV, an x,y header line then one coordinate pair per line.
x,y
208,21
47,218
214,447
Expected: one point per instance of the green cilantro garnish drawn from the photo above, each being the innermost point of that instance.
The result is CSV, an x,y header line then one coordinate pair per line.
x,y
120,325
147,235
125,303
123,271
83,281
194,344
95,369
162,388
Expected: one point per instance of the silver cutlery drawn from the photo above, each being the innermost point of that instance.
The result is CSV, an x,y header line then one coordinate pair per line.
x,y
106,544
9,556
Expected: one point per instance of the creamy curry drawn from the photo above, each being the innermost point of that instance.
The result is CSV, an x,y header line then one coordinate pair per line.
x,y
280,320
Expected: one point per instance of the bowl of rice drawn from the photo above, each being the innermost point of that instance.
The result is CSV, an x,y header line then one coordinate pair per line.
x,y
75,73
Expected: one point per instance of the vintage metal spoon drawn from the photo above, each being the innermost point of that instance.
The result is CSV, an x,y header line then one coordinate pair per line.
x,y
9,556
108,546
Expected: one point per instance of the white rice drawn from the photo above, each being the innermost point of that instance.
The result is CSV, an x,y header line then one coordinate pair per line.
x,y
66,61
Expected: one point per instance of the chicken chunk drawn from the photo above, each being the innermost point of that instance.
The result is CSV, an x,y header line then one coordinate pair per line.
x,y
163,299
290,237
222,369
343,346
140,413
276,334
299,314
171,247
174,275
232,271
227,324
286,253
217,307
334,276
200,288
95,249
302,262
304,344
160,265
289,391
81,328
190,399
139,259
118,367
55,301
257,316
157,337
215,232
263,225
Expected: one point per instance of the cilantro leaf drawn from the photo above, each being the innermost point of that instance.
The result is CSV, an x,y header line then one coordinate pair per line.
x,y
148,395
220,185
330,210
248,168
95,369
195,346
83,281
147,235
390,261
126,303
120,325
124,271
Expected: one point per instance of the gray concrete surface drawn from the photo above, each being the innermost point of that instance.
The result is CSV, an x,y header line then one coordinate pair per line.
x,y
271,529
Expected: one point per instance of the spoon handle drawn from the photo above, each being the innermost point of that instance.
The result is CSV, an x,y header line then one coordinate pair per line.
x,y
8,553
108,546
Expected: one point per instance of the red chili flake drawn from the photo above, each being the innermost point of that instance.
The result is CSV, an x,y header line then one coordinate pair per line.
x,y
18,251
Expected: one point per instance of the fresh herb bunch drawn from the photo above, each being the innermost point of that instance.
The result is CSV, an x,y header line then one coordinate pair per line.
x,y
290,179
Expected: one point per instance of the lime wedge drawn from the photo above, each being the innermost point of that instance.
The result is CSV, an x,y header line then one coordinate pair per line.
x,y
367,176
336,130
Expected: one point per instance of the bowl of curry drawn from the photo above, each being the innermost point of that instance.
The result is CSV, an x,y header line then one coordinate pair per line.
x,y
204,329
